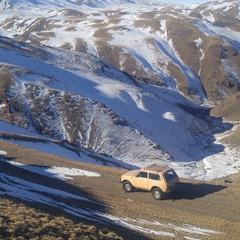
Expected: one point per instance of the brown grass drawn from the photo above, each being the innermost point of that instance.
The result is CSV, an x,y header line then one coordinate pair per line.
x,y
20,221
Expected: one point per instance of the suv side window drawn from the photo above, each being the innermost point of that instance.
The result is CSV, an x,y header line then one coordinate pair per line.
x,y
142,175
154,176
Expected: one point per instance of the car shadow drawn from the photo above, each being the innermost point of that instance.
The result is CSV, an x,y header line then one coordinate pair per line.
x,y
192,191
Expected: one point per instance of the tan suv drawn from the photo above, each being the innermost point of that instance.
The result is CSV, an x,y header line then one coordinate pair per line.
x,y
160,180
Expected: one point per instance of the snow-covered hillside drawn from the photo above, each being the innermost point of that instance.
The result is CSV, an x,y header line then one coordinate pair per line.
x,y
134,80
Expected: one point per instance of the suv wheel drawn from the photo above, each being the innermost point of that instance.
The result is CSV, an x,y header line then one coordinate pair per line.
x,y
158,194
127,186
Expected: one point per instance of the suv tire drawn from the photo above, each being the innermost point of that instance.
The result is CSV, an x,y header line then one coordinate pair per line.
x,y
157,194
127,186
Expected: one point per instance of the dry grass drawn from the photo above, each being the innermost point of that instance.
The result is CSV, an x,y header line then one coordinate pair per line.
x,y
20,221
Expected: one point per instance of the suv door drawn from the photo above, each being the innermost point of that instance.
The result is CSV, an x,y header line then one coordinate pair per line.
x,y
141,180
155,180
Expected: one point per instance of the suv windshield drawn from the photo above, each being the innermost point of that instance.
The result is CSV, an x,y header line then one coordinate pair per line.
x,y
170,175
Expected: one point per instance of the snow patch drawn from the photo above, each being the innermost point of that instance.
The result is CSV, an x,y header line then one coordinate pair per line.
x,y
3,153
198,42
56,172
169,116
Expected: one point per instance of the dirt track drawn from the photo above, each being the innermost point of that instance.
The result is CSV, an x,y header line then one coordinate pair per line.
x,y
207,205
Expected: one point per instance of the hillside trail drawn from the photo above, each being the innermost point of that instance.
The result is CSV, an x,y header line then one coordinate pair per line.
x,y
197,210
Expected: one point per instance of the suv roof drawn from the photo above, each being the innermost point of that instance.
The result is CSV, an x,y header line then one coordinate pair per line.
x,y
155,167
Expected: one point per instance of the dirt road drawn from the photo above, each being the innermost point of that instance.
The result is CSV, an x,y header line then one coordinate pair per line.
x,y
197,210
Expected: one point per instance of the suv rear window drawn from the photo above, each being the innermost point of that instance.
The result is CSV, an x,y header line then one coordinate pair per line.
x,y
170,175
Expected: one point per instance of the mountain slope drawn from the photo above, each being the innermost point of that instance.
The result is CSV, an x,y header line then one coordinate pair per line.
x,y
51,112
131,79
